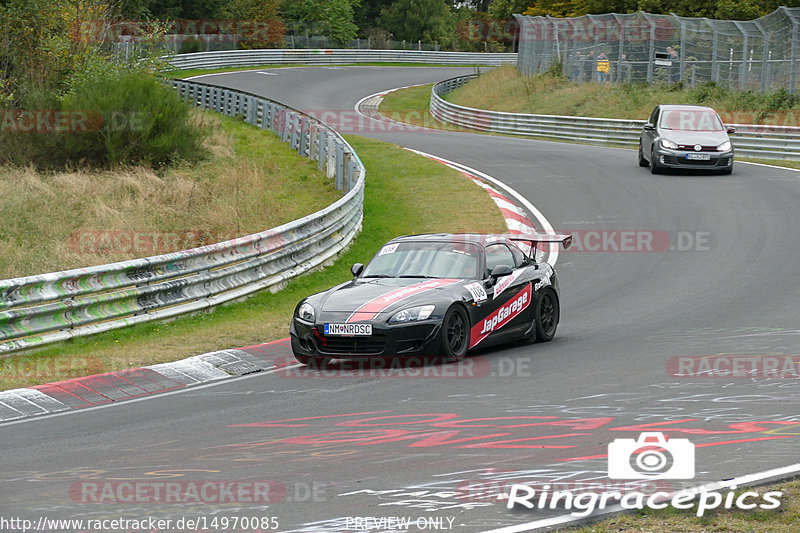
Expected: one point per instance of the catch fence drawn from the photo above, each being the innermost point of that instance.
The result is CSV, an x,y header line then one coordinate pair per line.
x,y
759,55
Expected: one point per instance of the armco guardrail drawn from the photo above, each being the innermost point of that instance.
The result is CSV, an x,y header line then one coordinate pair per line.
x,y
37,310
251,58
750,140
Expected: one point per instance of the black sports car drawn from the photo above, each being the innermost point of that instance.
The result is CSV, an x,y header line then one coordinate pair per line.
x,y
434,294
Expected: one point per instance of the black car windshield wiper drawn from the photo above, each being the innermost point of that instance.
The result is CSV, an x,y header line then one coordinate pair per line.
x,y
377,276
416,276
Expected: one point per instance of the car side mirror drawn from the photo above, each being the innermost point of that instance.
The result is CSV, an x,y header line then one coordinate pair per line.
x,y
357,269
649,126
730,129
499,271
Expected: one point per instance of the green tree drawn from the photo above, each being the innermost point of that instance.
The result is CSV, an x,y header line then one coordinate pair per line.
x,y
558,8
367,14
333,18
505,9
261,25
426,20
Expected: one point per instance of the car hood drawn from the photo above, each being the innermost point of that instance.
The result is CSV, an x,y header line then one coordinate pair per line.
x,y
368,297
703,138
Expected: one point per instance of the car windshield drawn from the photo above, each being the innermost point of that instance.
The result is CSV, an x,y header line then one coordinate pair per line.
x,y
691,120
425,260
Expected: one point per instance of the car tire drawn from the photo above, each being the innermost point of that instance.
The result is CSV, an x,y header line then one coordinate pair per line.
x,y
642,161
654,168
726,171
455,334
546,314
310,360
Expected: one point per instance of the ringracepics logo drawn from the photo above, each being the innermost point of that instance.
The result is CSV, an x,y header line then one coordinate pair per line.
x,y
651,456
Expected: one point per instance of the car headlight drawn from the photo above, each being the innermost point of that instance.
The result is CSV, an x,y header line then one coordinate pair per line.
x,y
724,147
412,314
666,143
306,312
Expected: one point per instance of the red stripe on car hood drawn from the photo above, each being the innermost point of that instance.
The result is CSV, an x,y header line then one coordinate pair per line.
x,y
370,310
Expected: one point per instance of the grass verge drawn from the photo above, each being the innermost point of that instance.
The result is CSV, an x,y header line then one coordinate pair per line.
x,y
405,194
412,106
249,182
782,520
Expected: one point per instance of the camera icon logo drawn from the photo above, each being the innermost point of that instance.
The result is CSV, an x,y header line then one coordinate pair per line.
x,y
651,456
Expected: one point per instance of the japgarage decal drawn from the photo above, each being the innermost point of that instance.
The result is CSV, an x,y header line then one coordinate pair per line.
x,y
370,310
501,317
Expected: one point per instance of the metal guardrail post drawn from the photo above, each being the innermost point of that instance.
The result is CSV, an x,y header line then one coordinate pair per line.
x,y
285,119
322,158
346,170
331,162
313,146
294,131
303,148
339,166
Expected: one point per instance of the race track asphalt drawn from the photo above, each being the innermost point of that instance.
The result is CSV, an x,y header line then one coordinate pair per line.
x,y
722,279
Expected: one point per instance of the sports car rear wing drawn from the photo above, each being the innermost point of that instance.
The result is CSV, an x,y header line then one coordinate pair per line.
x,y
536,238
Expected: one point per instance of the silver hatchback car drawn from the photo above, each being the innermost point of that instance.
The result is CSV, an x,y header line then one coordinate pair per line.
x,y
687,137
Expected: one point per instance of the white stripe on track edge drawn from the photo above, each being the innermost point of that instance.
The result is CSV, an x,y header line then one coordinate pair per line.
x,y
543,222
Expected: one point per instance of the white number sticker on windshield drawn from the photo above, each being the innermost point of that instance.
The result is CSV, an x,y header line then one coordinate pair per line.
x,y
389,248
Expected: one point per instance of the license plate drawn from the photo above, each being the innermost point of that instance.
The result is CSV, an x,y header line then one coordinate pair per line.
x,y
350,330
699,157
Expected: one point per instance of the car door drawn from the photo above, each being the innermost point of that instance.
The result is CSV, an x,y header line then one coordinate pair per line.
x,y
649,133
506,310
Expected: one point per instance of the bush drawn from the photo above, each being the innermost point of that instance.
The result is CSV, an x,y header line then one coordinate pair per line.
x,y
131,118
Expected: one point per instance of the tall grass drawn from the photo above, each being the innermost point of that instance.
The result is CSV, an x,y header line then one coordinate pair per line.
x,y
76,218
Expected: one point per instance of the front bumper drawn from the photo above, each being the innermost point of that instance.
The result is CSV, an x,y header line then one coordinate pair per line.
x,y
678,159
413,339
